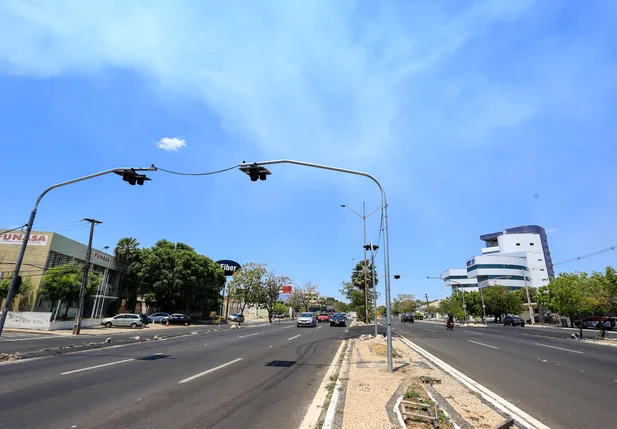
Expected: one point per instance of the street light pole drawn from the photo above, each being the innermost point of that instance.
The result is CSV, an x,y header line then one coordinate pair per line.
x,y
384,214
462,292
84,279
128,172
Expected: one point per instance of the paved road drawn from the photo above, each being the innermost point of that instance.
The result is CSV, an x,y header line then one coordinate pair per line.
x,y
251,378
563,383
18,342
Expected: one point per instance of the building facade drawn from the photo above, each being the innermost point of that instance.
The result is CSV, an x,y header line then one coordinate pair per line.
x,y
515,257
47,250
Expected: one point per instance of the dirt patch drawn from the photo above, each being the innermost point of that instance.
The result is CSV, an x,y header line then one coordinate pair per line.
x,y
417,401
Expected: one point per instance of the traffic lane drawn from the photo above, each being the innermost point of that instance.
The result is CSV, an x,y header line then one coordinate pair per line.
x,y
124,398
557,332
558,395
11,345
30,373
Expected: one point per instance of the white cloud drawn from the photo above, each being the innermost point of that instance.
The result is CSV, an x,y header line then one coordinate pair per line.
x,y
172,144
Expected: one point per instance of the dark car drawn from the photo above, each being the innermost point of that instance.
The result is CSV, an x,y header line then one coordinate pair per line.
x,y
407,317
145,318
513,321
178,319
338,319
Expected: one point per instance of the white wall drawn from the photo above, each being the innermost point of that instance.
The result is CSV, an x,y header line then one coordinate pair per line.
x,y
39,321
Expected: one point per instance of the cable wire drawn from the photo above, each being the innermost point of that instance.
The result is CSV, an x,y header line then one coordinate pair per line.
x,y
578,258
197,174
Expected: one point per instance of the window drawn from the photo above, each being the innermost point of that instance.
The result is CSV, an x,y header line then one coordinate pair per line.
x,y
541,269
531,244
539,260
518,244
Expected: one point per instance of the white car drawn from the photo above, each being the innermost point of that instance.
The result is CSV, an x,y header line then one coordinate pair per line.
x,y
306,319
123,320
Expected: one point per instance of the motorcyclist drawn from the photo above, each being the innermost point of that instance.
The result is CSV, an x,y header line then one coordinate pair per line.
x,y
450,319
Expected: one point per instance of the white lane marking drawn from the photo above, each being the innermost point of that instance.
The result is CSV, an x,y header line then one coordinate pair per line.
x,y
289,339
96,366
319,327
559,348
482,344
427,329
186,380
472,332
287,327
249,335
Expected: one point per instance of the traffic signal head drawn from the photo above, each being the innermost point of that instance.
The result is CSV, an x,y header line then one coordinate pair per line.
x,y
255,172
397,276
133,178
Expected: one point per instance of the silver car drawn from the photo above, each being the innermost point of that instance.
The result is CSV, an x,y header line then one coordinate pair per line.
x,y
306,319
123,320
158,317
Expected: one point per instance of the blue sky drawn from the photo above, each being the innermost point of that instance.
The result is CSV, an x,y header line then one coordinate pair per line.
x,y
474,115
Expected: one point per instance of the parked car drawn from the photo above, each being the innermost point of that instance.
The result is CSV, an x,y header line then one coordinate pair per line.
x,y
407,317
279,316
158,317
338,319
593,322
306,319
123,320
323,317
178,319
236,317
513,321
145,318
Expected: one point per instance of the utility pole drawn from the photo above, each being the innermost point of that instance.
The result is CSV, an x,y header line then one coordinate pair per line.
x,y
84,279
426,296
532,316
365,267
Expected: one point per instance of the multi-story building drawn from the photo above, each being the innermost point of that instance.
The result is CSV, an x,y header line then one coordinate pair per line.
x,y
47,250
515,257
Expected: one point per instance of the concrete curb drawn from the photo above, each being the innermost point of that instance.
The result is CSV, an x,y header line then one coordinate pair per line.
x,y
338,396
311,418
522,418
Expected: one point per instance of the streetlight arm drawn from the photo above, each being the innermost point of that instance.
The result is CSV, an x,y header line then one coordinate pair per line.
x,y
355,212
384,214
373,212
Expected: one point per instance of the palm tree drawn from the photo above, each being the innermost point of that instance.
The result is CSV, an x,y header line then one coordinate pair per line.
x,y
126,253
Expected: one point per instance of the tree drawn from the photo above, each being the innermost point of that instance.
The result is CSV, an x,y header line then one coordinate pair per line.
x,y
5,284
175,277
281,308
354,296
565,295
127,254
361,277
63,283
246,284
501,300
404,303
341,307
267,293
306,295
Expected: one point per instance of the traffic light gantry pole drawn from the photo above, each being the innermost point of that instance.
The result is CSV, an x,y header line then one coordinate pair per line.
x,y
257,171
129,175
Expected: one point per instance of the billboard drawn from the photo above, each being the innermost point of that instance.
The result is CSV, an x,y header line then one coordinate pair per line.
x,y
34,240
229,267
286,290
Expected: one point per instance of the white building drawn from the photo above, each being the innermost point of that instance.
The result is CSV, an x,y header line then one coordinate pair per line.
x,y
514,257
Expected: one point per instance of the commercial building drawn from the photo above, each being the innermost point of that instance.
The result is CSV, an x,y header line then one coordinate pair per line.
x,y
515,257
47,250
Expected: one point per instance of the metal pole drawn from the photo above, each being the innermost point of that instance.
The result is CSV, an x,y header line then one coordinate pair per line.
x,y
384,214
84,279
24,244
366,312
374,286
464,306
531,314
483,306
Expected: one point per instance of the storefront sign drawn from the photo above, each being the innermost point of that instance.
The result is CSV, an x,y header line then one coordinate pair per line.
x,y
229,267
102,257
286,290
471,262
34,240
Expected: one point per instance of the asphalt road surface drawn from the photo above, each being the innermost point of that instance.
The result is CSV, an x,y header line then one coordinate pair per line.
x,y
262,377
563,383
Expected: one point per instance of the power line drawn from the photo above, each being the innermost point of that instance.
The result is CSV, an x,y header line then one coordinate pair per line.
x,y
197,174
578,258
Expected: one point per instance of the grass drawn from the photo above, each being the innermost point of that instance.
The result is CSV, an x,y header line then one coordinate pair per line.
x,y
416,393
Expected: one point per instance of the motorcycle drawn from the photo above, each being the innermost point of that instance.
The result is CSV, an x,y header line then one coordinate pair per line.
x,y
449,325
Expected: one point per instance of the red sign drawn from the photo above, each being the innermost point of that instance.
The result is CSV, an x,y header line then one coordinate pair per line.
x,y
34,240
286,290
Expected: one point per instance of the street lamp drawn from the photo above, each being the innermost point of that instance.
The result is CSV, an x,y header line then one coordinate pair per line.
x,y
129,175
364,217
462,291
384,213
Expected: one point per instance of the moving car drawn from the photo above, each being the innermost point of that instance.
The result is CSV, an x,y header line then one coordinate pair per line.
x,y
123,320
407,317
236,317
338,319
178,319
323,317
157,317
306,319
513,321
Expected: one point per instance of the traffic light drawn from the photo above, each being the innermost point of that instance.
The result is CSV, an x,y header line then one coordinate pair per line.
x,y
397,276
256,172
133,178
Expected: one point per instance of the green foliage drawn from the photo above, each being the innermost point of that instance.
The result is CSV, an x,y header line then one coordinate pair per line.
x,y
127,254
175,277
404,303
267,293
501,300
63,283
303,296
341,307
24,290
362,280
354,297
247,284
280,308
